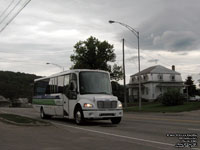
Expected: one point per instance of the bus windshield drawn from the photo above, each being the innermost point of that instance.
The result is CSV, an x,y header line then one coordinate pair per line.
x,y
94,83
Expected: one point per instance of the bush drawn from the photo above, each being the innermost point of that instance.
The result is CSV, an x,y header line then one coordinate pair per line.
x,y
172,97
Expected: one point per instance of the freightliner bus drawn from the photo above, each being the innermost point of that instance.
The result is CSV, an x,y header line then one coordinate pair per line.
x,y
77,94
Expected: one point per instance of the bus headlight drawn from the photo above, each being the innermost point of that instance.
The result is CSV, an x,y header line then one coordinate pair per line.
x,y
87,105
120,105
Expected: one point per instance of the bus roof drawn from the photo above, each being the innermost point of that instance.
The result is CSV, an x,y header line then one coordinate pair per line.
x,y
67,72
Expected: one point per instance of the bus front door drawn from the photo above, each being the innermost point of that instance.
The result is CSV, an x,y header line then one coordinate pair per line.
x,y
65,105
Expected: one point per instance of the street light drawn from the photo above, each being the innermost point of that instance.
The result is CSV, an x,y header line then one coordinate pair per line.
x,y
136,33
61,67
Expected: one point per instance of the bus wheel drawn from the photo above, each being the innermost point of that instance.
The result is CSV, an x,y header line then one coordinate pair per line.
x,y
43,115
78,115
116,120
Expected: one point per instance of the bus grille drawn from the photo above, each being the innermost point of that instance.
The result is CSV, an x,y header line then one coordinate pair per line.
x,y
107,104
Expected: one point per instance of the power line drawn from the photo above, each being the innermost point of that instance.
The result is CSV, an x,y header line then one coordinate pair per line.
x,y
6,8
15,15
10,12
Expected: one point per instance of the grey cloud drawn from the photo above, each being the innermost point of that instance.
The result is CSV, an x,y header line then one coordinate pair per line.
x,y
45,29
134,58
153,60
175,41
173,29
182,53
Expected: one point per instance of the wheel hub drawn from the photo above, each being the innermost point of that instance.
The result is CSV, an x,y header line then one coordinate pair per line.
x,y
78,117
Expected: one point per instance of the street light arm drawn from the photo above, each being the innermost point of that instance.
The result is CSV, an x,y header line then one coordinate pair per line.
x,y
127,26
56,65
130,28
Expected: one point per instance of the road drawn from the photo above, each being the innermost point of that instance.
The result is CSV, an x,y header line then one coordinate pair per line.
x,y
137,131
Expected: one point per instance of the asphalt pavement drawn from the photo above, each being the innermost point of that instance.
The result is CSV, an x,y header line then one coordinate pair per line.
x,y
137,131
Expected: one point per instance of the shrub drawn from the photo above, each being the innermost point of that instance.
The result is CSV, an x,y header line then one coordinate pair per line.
x,y
172,97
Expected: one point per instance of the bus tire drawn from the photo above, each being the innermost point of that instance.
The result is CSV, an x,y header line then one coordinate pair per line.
x,y
116,120
78,116
43,115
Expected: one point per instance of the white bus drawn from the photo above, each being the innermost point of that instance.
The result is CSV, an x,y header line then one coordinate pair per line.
x,y
77,94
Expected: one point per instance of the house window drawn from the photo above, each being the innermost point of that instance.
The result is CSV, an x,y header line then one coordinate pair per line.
x,y
145,77
160,77
172,77
142,91
147,91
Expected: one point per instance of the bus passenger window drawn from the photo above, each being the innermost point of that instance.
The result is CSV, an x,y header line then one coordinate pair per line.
x,y
41,87
66,84
60,84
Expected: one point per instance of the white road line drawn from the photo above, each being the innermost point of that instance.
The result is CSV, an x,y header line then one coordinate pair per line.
x,y
116,135
193,129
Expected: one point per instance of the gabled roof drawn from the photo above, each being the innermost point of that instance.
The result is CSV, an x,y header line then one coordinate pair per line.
x,y
158,69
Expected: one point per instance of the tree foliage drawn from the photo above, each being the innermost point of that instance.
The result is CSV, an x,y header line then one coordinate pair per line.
x,y
94,54
118,90
172,97
16,85
191,87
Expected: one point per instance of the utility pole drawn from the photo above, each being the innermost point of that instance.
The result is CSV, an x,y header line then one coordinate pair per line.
x,y
136,33
124,74
139,84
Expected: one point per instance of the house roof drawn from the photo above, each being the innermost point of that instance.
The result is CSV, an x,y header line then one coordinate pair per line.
x,y
158,69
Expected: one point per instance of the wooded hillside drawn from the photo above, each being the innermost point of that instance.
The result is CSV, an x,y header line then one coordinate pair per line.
x,y
16,85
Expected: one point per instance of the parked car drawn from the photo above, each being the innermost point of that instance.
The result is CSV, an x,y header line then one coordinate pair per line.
x,y
194,98
197,98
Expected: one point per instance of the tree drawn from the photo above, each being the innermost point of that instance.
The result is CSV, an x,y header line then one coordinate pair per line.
x,y
172,97
94,54
191,87
15,85
118,90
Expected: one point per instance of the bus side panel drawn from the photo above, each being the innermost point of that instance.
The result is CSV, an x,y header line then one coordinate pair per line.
x,y
49,110
50,106
59,111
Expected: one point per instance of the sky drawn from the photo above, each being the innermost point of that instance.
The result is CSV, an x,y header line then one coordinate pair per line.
x,y
46,31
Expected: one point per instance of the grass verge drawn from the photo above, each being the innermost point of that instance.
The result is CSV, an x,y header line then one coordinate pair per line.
x,y
21,120
157,107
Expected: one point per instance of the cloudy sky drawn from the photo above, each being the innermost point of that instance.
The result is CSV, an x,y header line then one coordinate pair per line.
x,y
46,31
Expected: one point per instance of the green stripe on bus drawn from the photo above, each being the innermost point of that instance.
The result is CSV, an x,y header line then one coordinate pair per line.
x,y
43,101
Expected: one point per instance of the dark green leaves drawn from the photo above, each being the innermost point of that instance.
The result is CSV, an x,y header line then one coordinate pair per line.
x,y
94,54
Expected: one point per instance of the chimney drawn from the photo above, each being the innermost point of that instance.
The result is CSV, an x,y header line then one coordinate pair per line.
x,y
173,67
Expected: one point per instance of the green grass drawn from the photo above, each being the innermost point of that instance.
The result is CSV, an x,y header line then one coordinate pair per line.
x,y
157,107
21,120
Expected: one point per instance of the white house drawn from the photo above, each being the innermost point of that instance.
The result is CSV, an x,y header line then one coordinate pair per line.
x,y
155,81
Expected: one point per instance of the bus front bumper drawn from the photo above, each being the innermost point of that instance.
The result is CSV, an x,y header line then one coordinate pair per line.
x,y
102,114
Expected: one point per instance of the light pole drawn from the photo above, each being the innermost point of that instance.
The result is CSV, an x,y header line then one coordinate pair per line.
x,y
124,75
61,67
136,33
